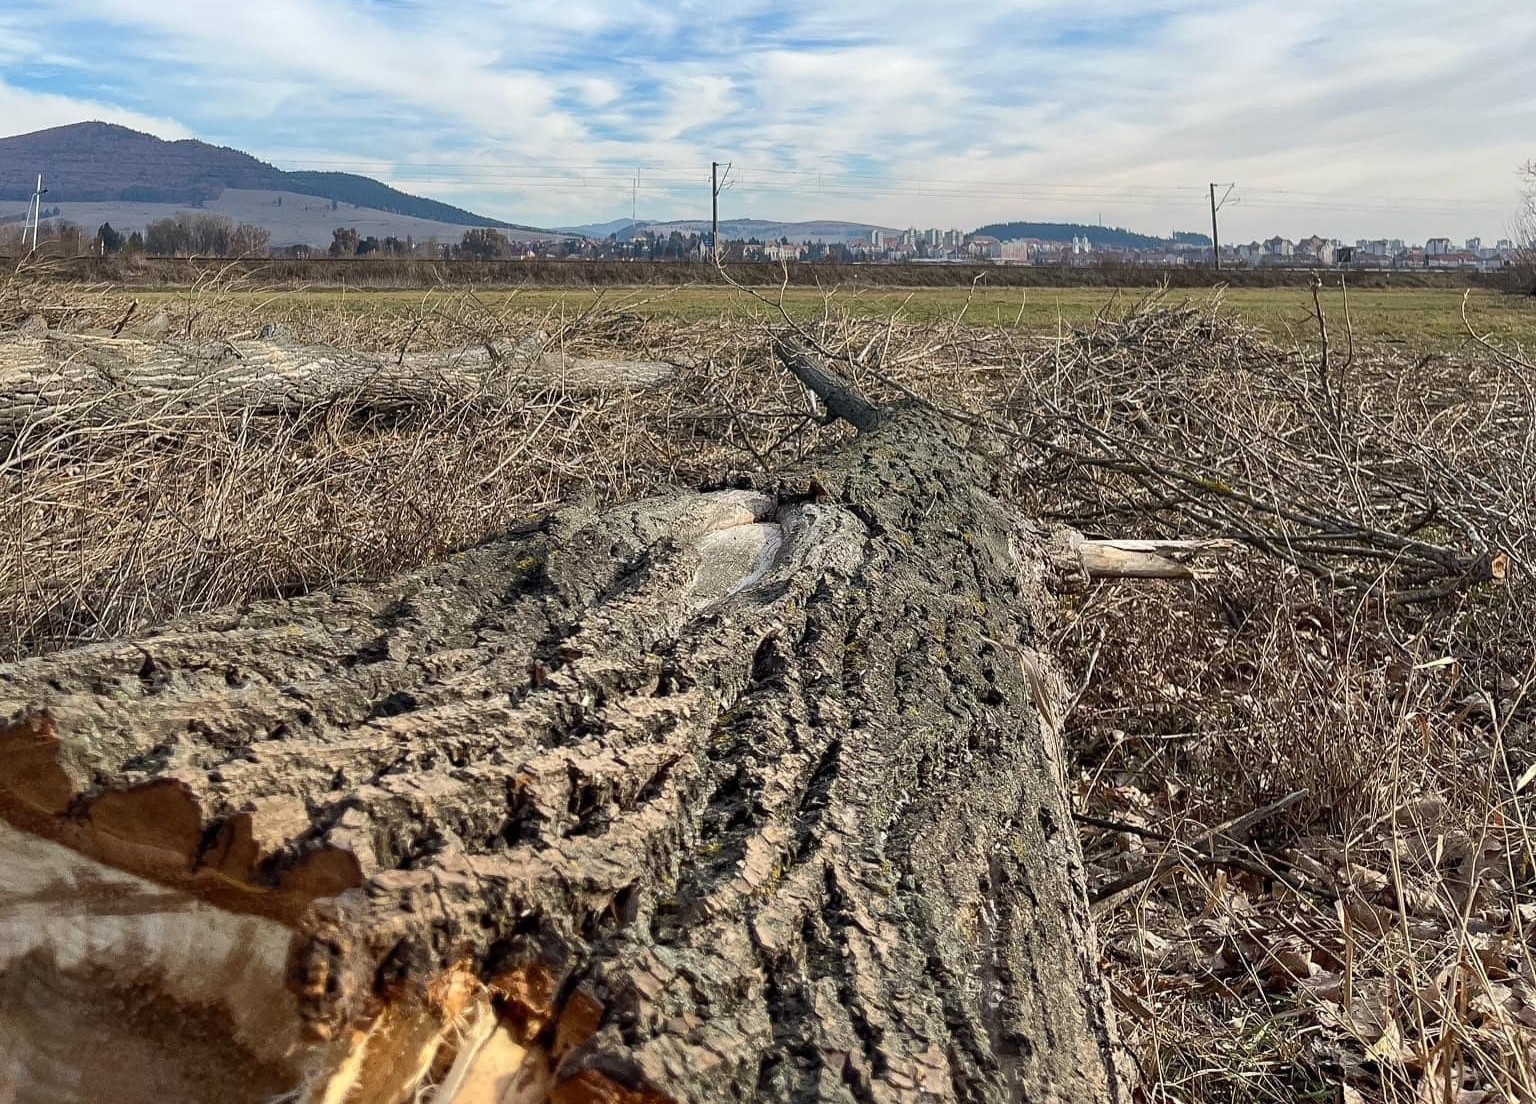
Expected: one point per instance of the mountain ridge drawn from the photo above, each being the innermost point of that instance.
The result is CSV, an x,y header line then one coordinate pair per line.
x,y
95,162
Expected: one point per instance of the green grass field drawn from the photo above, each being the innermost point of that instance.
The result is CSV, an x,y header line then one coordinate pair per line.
x,y
1429,319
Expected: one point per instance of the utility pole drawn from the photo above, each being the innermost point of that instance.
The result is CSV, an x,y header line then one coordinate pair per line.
x,y
717,181
1216,206
37,213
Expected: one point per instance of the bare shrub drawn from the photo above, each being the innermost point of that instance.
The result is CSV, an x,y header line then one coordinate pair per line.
x,y
1523,268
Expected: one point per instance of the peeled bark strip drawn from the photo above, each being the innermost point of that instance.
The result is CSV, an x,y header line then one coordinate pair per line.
x,y
93,380
715,797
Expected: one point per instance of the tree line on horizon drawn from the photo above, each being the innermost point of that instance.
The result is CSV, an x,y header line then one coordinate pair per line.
x,y
185,234
195,233
1102,237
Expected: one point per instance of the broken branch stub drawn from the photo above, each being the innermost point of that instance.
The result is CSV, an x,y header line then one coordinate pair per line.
x,y
711,797
840,396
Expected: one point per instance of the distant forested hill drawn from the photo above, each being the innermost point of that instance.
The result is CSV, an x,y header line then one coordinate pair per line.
x,y
102,162
1102,237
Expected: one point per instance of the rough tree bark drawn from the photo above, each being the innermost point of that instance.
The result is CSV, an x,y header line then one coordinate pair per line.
x,y
742,795
89,379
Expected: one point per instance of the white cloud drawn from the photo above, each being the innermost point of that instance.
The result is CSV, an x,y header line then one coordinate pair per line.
x,y
25,110
1037,108
343,49
597,91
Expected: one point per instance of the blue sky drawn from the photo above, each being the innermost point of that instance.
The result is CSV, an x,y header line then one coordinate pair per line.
x,y
1344,117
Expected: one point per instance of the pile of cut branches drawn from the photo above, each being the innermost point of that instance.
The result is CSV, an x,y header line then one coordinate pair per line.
x,y
1367,472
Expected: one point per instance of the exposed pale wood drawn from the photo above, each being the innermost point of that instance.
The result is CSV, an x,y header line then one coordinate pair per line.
x,y
1148,559
92,960
1171,548
493,1066
394,1056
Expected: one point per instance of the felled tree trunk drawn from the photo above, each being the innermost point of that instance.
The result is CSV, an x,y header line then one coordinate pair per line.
x,y
85,379
714,797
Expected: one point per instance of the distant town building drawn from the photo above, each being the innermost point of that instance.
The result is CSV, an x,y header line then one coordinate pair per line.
x,y
936,245
985,246
1317,249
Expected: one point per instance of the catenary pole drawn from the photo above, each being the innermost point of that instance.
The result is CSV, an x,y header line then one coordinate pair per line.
x,y
1216,206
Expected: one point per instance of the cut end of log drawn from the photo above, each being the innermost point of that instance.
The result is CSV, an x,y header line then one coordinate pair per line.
x,y
143,958
113,987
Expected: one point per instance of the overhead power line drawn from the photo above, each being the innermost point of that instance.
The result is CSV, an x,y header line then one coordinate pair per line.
x,y
663,177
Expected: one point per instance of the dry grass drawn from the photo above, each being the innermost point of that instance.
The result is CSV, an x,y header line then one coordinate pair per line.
x,y
1371,942
1373,650
112,527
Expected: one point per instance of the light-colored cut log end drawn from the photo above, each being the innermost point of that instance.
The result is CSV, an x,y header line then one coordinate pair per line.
x,y
117,988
